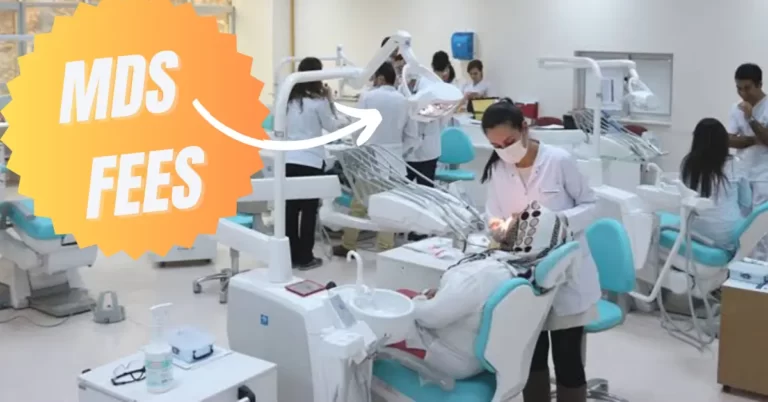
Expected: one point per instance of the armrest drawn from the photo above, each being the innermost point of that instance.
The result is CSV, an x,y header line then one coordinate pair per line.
x,y
412,362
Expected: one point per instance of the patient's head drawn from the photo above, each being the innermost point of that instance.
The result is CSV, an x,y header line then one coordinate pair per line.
x,y
702,169
535,232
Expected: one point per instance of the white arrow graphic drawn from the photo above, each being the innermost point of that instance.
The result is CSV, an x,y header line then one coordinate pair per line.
x,y
369,120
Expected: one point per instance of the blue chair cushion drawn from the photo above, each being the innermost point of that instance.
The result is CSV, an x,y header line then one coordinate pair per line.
x,y
451,175
455,147
703,254
610,315
479,388
344,199
242,220
39,228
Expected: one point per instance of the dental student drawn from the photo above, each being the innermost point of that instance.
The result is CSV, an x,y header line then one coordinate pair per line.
x,y
397,133
478,86
709,170
522,171
748,126
310,111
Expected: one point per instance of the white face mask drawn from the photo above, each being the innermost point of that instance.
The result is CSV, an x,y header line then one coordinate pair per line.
x,y
514,153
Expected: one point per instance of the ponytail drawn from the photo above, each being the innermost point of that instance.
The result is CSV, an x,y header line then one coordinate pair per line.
x,y
503,111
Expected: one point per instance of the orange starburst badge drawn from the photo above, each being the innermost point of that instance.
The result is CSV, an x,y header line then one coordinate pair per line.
x,y
105,136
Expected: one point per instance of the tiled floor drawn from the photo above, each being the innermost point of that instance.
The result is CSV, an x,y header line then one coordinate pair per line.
x,y
643,363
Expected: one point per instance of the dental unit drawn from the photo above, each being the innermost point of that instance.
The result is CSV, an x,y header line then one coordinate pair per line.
x,y
299,322
668,256
685,263
41,265
610,154
205,248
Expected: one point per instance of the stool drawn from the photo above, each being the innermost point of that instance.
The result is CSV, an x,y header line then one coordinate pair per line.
x,y
227,273
455,149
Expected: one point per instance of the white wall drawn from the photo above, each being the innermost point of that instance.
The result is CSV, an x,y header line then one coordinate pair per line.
x,y
709,39
253,27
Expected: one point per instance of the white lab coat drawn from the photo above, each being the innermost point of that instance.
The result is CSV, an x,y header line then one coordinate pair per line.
x,y
559,186
449,323
397,131
754,160
429,146
481,88
306,121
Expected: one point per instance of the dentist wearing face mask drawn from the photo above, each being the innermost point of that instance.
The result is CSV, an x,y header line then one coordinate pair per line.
x,y
520,172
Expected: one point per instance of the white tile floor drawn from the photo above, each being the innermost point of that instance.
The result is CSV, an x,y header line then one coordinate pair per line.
x,y
643,363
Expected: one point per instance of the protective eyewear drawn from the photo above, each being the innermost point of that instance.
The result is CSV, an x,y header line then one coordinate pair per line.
x,y
128,374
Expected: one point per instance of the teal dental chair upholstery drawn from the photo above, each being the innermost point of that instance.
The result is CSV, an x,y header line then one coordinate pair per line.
x,y
511,322
611,250
455,149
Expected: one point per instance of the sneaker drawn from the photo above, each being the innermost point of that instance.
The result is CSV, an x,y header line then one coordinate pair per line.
x,y
340,251
315,263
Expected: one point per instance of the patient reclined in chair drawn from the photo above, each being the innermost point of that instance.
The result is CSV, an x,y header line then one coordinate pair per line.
x,y
447,320
42,263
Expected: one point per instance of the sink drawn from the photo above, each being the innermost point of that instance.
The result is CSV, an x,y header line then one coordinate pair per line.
x,y
387,312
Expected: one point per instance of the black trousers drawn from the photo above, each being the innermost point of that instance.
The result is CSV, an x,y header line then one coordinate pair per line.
x,y
301,218
566,354
426,168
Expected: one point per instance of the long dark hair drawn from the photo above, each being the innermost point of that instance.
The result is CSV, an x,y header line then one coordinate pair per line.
x,y
314,89
502,112
702,168
441,62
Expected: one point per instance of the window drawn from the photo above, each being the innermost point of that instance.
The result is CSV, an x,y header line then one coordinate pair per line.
x,y
19,19
654,69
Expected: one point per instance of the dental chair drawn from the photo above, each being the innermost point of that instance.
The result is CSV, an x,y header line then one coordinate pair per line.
x,y
611,249
710,262
455,149
512,320
43,264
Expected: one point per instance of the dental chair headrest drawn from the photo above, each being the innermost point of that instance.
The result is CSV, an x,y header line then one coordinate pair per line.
x,y
551,269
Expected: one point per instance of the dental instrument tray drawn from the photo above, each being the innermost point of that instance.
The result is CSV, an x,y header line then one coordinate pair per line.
x,y
190,344
750,272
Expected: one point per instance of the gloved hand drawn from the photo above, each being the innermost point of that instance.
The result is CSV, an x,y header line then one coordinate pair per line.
x,y
500,228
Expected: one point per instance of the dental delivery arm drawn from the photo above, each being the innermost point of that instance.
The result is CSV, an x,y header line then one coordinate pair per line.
x,y
453,301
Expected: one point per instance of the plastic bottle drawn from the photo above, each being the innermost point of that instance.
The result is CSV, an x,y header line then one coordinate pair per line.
x,y
158,356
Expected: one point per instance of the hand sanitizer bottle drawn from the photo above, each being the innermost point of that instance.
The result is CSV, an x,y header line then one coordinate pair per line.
x,y
158,357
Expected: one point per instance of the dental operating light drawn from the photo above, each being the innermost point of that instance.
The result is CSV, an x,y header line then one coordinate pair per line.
x,y
434,100
637,93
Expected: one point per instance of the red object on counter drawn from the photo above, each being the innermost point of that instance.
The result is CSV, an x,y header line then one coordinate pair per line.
x,y
530,110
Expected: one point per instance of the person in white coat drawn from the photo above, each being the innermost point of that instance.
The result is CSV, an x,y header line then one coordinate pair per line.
x,y
748,126
520,172
397,133
310,111
424,157
447,319
477,87
709,170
